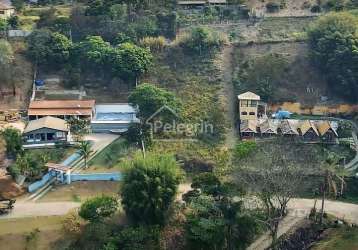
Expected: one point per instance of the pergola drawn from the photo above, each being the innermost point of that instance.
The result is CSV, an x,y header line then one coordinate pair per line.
x,y
59,170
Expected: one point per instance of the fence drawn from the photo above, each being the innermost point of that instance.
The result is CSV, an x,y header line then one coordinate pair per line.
x,y
95,177
38,184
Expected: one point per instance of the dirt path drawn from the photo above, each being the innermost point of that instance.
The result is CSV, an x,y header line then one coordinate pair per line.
x,y
299,209
34,209
227,95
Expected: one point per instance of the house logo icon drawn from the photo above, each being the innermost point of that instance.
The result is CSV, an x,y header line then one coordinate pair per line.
x,y
166,124
163,109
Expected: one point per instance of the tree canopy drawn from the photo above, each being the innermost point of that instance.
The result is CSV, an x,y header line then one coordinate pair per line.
x,y
49,47
333,41
149,187
150,98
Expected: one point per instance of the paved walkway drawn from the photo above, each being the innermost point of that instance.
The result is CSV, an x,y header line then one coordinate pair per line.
x,y
299,209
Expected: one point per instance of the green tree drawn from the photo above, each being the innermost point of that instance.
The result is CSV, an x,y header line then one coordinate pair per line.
x,y
333,41
14,22
150,98
6,60
201,40
18,4
139,238
98,208
149,187
28,165
93,52
130,61
218,224
44,46
13,141
85,151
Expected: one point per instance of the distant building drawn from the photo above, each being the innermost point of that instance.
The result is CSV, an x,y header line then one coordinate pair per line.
x,y
248,106
113,118
267,128
288,128
308,131
6,9
64,109
46,131
327,132
248,128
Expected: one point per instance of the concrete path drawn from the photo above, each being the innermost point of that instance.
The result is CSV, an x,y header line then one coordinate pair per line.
x,y
36,209
300,209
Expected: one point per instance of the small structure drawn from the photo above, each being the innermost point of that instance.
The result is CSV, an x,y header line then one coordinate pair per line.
x,y
267,128
282,114
113,118
200,3
248,106
45,132
288,128
327,132
64,109
308,131
6,9
248,128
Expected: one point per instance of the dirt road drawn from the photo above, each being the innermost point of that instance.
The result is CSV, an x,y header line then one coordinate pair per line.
x,y
227,95
35,209
299,209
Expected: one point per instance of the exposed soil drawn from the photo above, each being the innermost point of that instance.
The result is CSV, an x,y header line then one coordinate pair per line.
x,y
9,189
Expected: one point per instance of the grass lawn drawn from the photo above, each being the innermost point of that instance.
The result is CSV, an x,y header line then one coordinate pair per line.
x,y
55,155
109,159
30,233
81,190
339,239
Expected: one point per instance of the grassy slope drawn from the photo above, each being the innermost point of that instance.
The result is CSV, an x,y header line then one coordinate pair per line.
x,y
339,239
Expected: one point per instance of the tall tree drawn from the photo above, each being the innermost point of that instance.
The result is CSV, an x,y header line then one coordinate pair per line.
x,y
13,141
149,187
333,41
150,99
85,151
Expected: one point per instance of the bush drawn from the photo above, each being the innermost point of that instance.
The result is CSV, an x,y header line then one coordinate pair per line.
x,y
98,208
316,9
153,43
203,40
272,7
244,148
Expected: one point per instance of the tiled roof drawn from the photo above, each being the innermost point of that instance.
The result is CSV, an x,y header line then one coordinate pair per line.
x,y
288,127
46,104
46,122
249,96
268,127
306,125
324,127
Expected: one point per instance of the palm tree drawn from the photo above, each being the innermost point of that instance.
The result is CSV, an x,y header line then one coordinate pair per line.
x,y
332,171
85,150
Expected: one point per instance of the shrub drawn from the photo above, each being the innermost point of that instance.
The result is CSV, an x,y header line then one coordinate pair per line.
x,y
272,7
153,43
98,208
316,9
202,40
244,148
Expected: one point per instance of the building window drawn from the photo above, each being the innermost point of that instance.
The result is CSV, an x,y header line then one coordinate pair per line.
x,y
2,12
243,113
244,103
252,113
253,104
